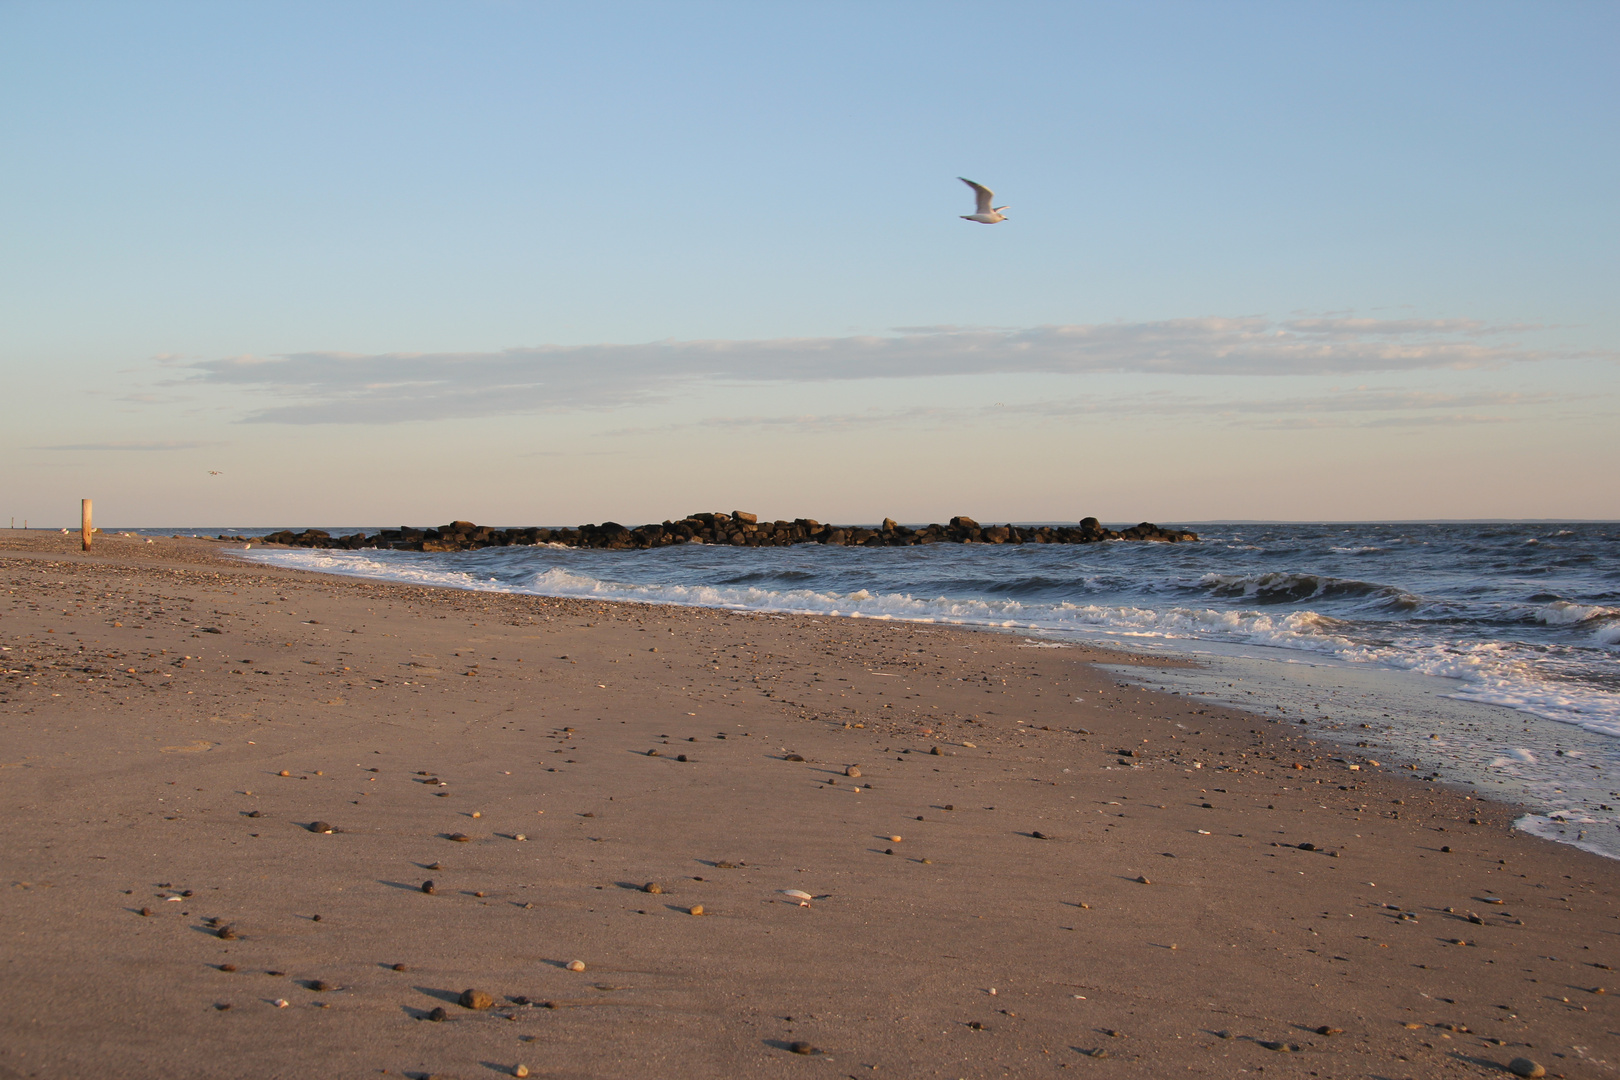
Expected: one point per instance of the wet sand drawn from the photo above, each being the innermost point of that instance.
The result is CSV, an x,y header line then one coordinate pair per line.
x,y
998,893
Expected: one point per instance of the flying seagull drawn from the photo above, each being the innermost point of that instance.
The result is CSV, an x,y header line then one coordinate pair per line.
x,y
984,214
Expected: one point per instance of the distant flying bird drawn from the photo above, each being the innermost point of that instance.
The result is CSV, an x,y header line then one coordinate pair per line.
x,y
983,213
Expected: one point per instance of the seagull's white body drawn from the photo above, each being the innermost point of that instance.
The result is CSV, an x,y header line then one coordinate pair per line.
x,y
983,213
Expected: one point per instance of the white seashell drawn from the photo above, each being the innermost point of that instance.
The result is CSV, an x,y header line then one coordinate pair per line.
x,y
797,894
281,1003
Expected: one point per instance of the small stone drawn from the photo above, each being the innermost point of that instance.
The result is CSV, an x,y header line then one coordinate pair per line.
x,y
934,750
222,1005
852,771
283,772
802,1048
576,965
476,999
254,813
1142,880
145,911
523,1070
1446,849
1099,1052
314,918
794,757
519,836
477,813
319,827
437,1014
460,838
227,967
1307,847
1223,1035
281,1003
1526,1067
400,967
680,757
652,887
695,909
653,752
1037,834
320,987
895,839
1325,1030
427,887
1280,1047
225,933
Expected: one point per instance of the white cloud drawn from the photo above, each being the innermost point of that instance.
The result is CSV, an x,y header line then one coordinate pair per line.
x,y
139,446
329,387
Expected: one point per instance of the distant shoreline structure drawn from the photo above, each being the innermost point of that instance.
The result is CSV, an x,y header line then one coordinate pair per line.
x,y
736,529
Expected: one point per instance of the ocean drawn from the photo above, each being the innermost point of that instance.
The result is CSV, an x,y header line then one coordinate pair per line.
x,y
1481,655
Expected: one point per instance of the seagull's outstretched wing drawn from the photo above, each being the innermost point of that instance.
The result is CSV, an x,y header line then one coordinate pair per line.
x,y
981,194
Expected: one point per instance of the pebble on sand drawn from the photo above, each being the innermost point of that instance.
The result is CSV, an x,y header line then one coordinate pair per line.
x,y
652,887
320,827
576,965
319,986
794,757
437,1014
935,751
852,771
400,967
1526,1067
695,909
1325,1030
802,1048
460,838
227,967
653,752
225,933
1143,880
895,839
427,887
476,999
520,1070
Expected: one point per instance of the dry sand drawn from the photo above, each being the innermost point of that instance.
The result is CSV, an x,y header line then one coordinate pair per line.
x,y
173,722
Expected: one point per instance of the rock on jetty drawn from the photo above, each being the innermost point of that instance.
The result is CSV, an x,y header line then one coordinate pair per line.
x,y
738,529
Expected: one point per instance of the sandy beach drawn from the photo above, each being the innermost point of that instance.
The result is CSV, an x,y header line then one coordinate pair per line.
x,y
225,786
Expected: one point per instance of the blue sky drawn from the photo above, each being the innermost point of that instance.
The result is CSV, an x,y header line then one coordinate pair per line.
x,y
381,263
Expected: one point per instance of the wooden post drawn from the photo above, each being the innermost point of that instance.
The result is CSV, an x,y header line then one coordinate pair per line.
x,y
84,523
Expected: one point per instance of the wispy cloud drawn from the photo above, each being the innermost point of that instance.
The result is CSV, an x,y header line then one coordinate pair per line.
x,y
1359,407
141,446
329,387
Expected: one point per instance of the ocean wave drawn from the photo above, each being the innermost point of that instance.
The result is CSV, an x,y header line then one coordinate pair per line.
x,y
1564,613
1283,587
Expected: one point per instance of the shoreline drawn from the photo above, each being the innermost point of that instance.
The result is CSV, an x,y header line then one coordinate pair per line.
x,y
1238,928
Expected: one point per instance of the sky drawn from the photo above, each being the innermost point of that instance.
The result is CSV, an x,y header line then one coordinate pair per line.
x,y
284,264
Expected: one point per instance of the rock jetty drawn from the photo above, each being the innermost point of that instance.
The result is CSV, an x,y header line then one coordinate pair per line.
x,y
737,529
